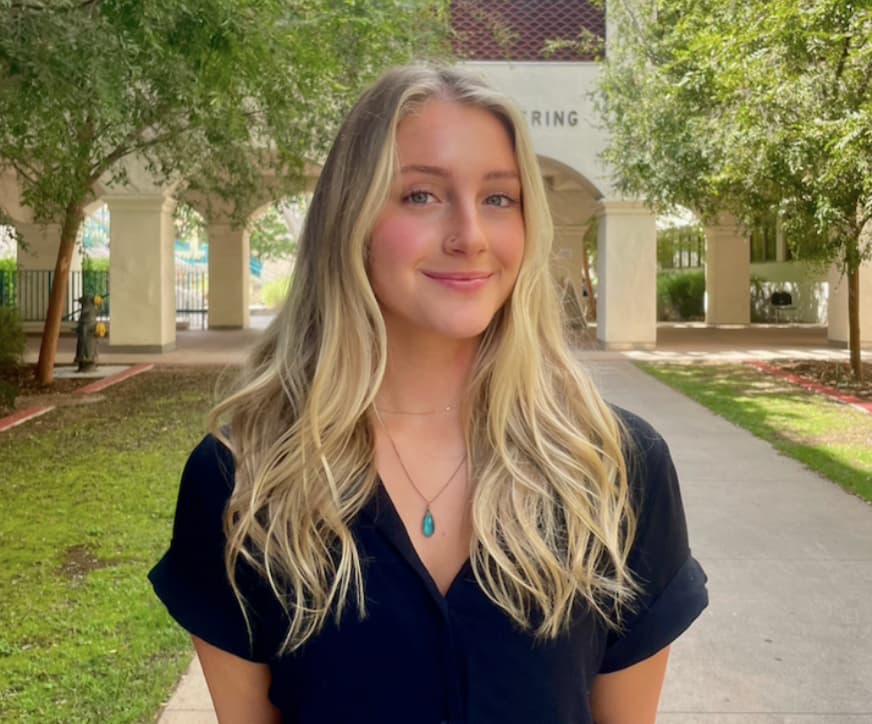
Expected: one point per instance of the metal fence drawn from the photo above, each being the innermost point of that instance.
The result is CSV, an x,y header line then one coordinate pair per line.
x,y
192,298
28,290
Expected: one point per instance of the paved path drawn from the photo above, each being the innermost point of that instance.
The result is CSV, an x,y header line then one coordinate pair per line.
x,y
788,636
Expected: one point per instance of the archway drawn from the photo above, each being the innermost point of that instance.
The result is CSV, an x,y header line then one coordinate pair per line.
x,y
573,201
274,230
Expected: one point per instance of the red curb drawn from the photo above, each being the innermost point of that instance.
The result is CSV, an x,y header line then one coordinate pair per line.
x,y
22,416
831,392
101,385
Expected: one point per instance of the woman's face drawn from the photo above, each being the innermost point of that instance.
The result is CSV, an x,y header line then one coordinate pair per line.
x,y
446,249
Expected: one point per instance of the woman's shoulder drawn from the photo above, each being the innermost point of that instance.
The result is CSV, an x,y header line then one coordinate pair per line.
x,y
212,457
207,479
644,446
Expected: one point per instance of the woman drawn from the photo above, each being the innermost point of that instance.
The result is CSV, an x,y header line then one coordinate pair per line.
x,y
428,514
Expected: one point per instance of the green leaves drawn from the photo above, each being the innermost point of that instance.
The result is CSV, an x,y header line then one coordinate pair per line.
x,y
748,106
203,90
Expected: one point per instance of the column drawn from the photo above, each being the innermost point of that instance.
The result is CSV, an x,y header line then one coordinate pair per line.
x,y
837,306
142,273
36,265
727,272
627,271
229,276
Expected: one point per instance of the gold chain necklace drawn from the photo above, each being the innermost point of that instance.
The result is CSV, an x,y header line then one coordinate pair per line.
x,y
440,411
428,524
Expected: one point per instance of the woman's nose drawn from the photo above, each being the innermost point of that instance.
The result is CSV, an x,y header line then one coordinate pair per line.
x,y
466,234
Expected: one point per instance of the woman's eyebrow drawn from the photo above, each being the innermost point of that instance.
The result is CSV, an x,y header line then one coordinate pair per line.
x,y
442,172
422,168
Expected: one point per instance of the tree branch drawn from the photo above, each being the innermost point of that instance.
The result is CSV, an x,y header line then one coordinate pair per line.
x,y
29,175
840,67
125,149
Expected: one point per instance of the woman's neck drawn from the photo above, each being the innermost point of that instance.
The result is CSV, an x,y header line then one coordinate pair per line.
x,y
426,375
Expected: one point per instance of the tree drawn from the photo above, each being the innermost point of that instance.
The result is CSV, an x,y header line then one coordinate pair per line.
x,y
749,107
274,234
208,93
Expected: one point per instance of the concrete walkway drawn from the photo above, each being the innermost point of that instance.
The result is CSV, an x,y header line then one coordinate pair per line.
x,y
788,636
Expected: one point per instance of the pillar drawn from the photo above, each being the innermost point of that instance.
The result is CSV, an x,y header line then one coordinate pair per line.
x,y
36,265
837,306
229,276
627,272
142,273
727,272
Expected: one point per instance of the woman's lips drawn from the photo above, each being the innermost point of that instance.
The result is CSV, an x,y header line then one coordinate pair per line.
x,y
461,281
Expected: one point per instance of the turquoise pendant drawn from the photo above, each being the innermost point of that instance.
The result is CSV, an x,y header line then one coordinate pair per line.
x,y
428,526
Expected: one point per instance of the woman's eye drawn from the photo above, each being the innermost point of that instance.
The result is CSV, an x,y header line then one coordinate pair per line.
x,y
418,197
499,200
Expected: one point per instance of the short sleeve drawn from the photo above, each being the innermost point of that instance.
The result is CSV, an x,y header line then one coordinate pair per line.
x,y
191,579
673,591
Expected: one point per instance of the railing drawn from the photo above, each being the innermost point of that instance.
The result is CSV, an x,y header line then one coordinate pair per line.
x,y
29,291
192,297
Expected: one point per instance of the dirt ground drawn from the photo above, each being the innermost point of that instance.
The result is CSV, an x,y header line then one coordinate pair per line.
x,y
832,374
32,394
62,392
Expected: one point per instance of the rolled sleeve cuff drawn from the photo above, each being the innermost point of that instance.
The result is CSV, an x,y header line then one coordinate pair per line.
x,y
201,610
657,626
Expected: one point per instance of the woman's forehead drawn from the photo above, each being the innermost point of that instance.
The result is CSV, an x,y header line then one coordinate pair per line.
x,y
442,134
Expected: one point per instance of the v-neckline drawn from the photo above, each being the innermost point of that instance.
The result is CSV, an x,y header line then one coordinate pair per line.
x,y
395,530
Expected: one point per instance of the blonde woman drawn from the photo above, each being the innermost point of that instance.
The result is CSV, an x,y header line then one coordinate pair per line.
x,y
415,508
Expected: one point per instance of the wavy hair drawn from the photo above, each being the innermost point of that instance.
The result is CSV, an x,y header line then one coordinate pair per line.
x,y
551,508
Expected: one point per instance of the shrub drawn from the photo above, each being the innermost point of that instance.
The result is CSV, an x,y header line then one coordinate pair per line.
x,y
8,268
12,342
274,292
681,295
95,264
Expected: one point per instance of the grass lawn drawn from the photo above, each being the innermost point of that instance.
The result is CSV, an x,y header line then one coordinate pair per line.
x,y
88,496
829,437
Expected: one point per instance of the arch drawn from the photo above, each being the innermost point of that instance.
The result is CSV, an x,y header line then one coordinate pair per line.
x,y
573,201
561,176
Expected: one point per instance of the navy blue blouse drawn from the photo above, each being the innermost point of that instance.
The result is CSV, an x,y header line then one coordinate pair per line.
x,y
419,657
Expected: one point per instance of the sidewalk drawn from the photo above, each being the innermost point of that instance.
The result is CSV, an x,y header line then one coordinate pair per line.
x,y
787,638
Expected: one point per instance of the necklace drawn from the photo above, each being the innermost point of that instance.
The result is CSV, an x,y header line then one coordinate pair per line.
x,y
440,411
428,524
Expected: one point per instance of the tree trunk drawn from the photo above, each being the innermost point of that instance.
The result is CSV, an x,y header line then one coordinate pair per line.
x,y
854,321
49,346
590,309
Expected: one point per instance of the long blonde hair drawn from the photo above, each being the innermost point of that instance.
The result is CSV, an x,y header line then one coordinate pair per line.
x,y
551,507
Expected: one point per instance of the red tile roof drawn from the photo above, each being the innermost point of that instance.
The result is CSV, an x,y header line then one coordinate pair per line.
x,y
519,29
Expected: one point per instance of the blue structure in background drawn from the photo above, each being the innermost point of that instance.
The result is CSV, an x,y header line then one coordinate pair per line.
x,y
184,253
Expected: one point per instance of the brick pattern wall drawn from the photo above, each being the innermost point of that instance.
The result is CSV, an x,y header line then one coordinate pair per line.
x,y
519,29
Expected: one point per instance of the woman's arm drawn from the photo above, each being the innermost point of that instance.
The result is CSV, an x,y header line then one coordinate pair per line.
x,y
239,688
629,696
